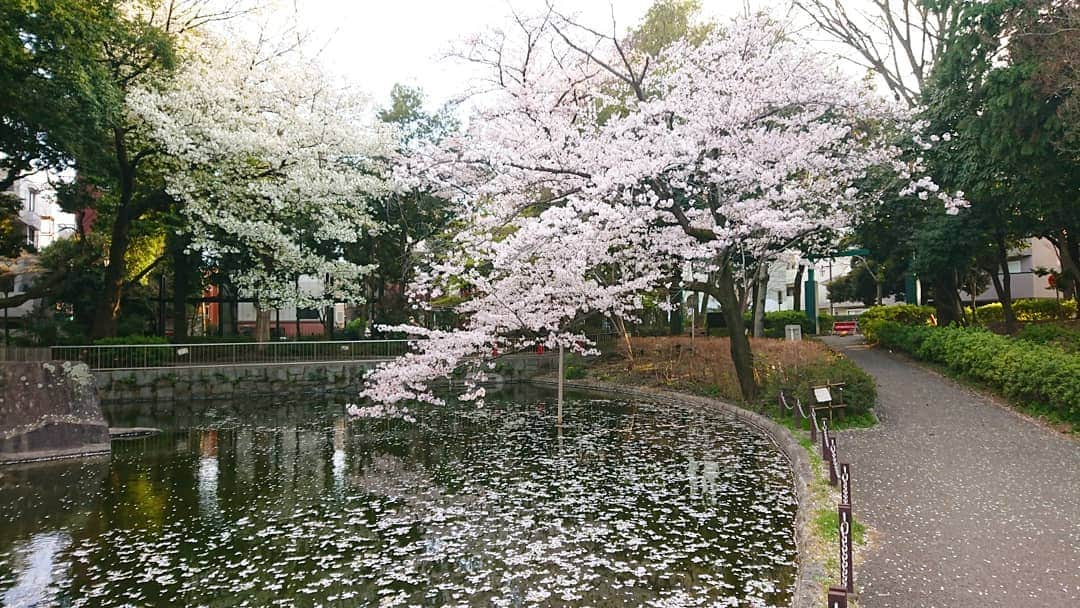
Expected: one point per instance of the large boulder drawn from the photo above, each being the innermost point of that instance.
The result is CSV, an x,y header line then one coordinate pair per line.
x,y
49,409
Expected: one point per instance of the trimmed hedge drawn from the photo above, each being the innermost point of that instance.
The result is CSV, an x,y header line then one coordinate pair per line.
x,y
902,314
777,319
1028,309
1033,374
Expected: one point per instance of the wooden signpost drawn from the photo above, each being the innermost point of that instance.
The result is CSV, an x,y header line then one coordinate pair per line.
x,y
837,598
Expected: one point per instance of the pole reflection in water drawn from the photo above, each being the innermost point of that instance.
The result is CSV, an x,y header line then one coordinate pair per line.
x,y
208,472
341,430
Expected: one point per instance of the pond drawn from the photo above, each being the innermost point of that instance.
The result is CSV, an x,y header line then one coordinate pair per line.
x,y
292,504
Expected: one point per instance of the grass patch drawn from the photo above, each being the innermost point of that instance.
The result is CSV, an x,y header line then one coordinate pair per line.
x,y
827,525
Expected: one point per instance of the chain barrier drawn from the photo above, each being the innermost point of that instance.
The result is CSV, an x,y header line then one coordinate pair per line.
x,y
839,473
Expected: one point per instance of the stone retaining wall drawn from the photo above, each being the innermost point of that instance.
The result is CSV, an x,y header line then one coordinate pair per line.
x,y
243,381
49,409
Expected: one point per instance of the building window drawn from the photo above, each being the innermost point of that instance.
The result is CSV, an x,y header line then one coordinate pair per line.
x,y
1014,266
31,236
31,200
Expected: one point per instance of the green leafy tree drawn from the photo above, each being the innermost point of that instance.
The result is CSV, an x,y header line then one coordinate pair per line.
x,y
1003,151
57,90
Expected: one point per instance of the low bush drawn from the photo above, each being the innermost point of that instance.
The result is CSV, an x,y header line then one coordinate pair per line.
x,y
131,340
777,320
827,367
1042,376
1066,338
1028,309
903,314
354,330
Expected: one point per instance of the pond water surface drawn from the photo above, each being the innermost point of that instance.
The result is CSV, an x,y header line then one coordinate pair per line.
x,y
291,504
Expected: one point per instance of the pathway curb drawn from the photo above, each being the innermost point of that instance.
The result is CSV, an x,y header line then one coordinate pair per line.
x,y
810,569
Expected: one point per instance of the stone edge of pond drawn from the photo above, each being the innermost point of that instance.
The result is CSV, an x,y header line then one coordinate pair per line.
x,y
811,568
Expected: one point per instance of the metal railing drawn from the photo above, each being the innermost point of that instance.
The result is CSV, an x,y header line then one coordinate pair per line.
x,y
137,356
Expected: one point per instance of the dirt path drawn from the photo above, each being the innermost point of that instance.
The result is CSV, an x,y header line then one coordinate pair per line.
x,y
974,506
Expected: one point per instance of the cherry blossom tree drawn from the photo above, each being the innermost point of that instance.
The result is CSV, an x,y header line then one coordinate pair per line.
x,y
592,174
272,164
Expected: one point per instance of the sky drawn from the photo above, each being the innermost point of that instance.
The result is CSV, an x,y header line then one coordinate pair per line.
x,y
375,44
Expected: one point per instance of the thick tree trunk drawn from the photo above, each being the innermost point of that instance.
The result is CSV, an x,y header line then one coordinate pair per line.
x,y
946,303
108,306
328,322
741,354
262,324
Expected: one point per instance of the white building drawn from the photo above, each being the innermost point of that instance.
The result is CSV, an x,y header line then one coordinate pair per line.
x,y
42,221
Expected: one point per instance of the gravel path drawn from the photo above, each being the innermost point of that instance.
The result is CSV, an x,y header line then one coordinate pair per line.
x,y
974,505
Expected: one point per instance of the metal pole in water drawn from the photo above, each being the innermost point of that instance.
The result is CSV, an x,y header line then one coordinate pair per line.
x,y
560,385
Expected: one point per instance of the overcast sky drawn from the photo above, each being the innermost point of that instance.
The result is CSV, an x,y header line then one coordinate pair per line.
x,y
375,44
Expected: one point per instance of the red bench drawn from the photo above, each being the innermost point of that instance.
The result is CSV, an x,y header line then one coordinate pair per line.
x,y
845,328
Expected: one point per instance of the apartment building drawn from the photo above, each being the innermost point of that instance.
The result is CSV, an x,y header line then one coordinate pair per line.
x,y
42,221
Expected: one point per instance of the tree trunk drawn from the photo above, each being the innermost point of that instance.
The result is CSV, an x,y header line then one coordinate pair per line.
x,y
108,306
741,354
1003,286
946,303
328,322
621,326
1068,246
761,285
182,271
798,287
675,319
262,323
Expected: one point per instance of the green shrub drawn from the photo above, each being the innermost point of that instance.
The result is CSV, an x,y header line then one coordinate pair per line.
x,y
575,372
1028,309
825,322
859,391
1042,376
354,330
903,314
123,356
777,320
1066,338
131,340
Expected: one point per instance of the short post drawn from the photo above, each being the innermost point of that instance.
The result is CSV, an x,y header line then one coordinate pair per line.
x,y
813,426
845,484
824,441
837,598
561,376
833,464
847,581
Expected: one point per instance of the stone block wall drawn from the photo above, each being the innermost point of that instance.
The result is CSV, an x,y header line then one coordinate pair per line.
x,y
243,381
